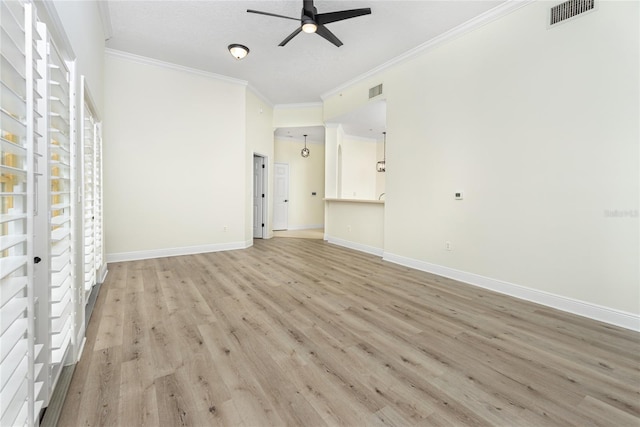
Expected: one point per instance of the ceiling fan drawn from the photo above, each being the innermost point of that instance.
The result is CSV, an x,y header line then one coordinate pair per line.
x,y
313,22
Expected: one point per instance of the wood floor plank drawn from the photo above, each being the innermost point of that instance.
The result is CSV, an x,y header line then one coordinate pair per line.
x,y
112,319
246,392
138,395
295,332
100,395
175,403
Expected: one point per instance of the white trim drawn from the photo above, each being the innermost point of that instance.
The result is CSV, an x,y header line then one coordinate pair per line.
x,y
306,227
596,312
472,24
296,106
155,62
353,245
169,252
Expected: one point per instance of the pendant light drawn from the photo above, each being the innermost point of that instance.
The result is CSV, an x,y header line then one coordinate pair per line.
x,y
305,150
381,165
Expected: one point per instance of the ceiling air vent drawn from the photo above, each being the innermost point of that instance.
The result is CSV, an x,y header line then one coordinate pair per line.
x,y
569,9
375,91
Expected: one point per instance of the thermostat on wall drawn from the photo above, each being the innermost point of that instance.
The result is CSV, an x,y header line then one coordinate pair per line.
x,y
458,195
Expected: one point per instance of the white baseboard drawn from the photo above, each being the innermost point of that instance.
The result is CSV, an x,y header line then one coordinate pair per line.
x,y
305,227
187,250
581,308
354,245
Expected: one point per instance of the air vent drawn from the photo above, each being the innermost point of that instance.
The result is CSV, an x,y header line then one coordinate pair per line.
x,y
375,91
569,9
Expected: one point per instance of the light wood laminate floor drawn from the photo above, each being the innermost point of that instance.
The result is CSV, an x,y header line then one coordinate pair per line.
x,y
295,332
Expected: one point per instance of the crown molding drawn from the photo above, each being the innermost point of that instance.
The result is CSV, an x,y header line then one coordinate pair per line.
x,y
466,27
168,65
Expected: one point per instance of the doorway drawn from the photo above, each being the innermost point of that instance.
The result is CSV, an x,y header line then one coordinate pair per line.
x,y
259,196
281,196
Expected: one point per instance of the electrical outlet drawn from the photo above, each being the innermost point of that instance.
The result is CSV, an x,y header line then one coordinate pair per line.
x,y
349,228
447,245
224,228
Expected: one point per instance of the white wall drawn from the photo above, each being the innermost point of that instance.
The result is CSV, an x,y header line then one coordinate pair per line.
x,y
306,175
356,224
297,115
259,133
174,161
333,140
359,174
539,128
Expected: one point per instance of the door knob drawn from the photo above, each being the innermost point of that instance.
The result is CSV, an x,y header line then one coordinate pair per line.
x,y
36,260
285,200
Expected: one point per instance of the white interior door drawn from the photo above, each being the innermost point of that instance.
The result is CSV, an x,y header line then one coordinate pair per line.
x,y
280,196
258,197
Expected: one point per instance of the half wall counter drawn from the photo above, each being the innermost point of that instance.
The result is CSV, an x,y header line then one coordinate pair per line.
x,y
355,223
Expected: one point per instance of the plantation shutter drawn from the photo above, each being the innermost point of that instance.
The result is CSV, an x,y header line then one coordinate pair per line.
x,y
60,210
97,208
89,200
18,163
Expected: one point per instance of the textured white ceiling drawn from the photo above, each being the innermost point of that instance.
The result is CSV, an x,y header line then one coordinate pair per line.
x,y
196,34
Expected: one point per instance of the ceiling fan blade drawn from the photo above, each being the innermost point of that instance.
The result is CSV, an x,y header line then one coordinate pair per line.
x,y
290,36
328,35
327,18
271,14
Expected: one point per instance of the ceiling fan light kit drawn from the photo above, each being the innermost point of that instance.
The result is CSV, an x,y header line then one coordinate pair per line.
x,y
238,51
313,22
309,27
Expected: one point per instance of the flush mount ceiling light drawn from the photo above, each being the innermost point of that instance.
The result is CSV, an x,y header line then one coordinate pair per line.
x,y
238,51
305,151
381,166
